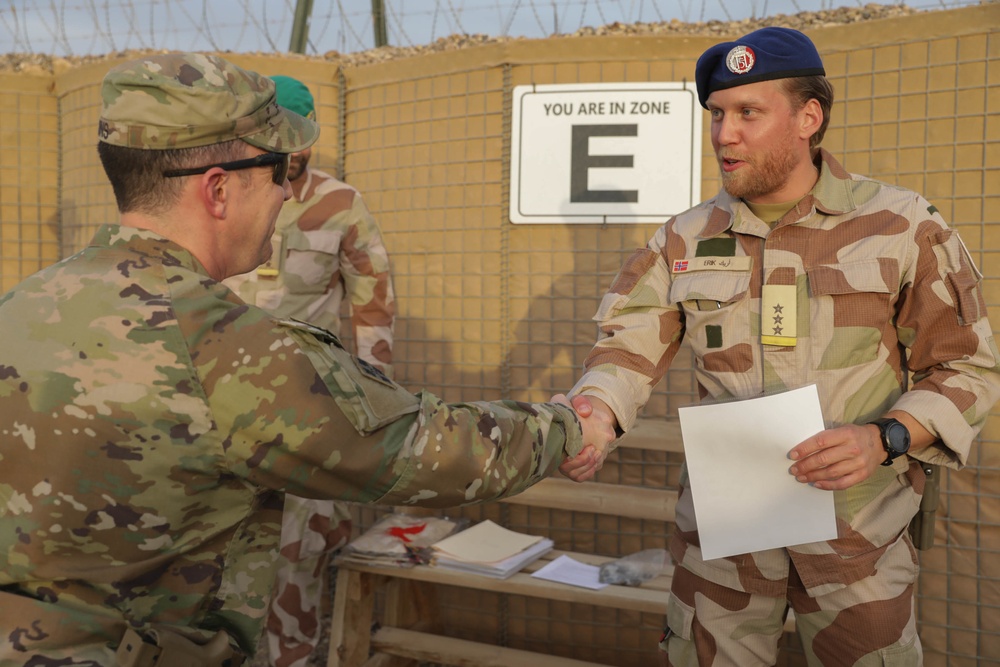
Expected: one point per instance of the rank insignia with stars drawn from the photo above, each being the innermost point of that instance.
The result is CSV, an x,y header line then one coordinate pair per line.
x,y
778,315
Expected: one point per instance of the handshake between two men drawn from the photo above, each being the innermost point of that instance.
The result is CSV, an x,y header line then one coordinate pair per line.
x,y
599,431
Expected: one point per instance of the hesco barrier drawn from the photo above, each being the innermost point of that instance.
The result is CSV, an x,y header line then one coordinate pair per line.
x,y
488,309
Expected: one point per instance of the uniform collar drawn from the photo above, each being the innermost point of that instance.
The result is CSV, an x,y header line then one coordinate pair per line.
x,y
833,193
147,244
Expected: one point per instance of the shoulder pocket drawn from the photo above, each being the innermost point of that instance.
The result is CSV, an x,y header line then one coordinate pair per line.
x,y
960,275
367,398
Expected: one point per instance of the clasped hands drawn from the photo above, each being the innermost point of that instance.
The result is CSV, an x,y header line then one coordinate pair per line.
x,y
598,422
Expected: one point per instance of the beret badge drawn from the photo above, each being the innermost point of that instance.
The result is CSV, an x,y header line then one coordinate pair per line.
x,y
740,59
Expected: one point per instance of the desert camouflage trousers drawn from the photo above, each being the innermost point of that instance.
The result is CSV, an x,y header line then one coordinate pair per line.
x,y
868,623
311,530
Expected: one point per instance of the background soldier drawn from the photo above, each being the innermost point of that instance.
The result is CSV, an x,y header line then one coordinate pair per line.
x,y
326,246
874,287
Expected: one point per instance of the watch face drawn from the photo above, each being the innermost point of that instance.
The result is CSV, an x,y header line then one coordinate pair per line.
x,y
897,437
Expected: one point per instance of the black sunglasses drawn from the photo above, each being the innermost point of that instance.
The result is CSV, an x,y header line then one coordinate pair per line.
x,y
279,160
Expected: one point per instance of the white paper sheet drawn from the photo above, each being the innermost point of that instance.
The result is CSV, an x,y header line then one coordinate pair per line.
x,y
565,570
737,457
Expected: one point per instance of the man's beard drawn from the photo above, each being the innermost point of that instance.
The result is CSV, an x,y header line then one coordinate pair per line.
x,y
763,175
296,168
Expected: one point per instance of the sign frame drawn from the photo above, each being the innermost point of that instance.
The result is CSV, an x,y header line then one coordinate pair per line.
x,y
573,146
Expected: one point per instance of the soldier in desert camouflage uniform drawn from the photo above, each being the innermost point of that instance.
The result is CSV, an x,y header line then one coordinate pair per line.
x,y
798,273
326,245
150,420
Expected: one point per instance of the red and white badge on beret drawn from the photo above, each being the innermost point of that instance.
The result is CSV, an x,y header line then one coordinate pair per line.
x,y
740,59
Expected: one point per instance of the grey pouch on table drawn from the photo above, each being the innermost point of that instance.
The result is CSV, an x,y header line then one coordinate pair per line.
x,y
635,568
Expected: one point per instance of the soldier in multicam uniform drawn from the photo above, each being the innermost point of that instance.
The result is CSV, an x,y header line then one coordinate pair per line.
x,y
326,245
798,273
150,420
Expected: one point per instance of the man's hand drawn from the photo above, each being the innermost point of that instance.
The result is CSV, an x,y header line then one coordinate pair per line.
x,y
838,458
599,423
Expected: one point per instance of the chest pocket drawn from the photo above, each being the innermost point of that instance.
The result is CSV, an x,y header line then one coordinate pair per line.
x,y
708,290
716,315
866,276
310,260
853,304
862,292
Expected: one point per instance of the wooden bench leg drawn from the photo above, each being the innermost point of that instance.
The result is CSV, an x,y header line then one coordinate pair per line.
x,y
411,605
353,607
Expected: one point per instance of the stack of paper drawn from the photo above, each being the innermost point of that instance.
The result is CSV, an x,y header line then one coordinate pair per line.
x,y
489,550
398,540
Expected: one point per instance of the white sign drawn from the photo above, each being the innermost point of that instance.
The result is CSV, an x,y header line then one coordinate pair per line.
x,y
604,152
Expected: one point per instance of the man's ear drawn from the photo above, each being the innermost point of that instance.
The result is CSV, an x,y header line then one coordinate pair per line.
x,y
811,118
213,190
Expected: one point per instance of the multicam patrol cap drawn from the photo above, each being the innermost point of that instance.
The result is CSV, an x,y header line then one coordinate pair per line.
x,y
763,55
185,100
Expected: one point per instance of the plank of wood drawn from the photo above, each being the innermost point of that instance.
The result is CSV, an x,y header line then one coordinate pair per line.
x,y
353,608
462,653
389,660
614,499
651,599
661,435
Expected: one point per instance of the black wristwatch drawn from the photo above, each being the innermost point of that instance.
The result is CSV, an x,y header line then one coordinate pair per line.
x,y
895,438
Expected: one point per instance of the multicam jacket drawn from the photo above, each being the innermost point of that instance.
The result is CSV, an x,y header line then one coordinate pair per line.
x,y
149,421
326,242
857,284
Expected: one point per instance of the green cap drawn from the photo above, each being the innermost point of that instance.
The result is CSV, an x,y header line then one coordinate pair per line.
x,y
185,100
293,94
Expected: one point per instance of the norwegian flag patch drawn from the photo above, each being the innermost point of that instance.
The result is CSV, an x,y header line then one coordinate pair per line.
x,y
680,265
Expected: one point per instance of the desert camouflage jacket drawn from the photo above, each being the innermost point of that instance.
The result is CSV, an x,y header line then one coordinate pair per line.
x,y
326,243
149,421
861,289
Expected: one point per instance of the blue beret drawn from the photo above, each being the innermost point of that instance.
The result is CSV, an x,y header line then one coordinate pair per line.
x,y
763,55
